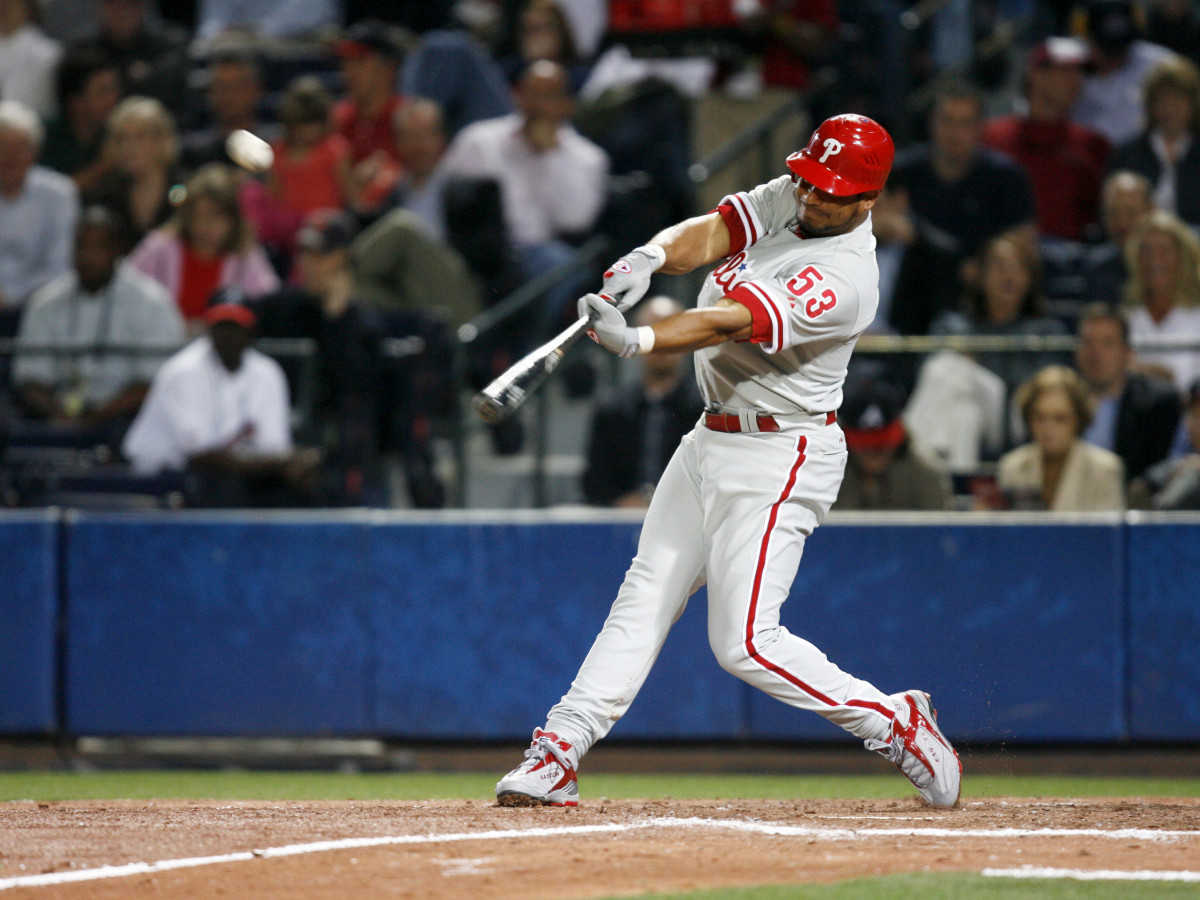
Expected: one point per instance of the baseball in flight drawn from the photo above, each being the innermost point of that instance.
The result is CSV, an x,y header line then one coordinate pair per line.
x,y
249,151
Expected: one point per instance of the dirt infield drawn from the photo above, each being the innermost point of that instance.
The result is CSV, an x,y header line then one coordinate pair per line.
x,y
480,851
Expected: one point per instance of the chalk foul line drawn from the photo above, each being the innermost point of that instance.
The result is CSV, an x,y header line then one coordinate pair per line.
x,y
1090,874
742,825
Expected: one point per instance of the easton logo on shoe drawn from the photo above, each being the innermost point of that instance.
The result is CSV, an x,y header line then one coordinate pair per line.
x,y
930,747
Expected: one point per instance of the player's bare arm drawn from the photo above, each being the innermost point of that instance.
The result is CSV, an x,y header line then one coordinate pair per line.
x,y
693,243
695,329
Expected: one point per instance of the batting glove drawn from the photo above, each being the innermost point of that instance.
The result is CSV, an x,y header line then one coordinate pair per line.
x,y
609,330
627,280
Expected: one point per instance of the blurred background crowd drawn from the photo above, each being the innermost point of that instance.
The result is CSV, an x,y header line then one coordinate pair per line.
x,y
183,326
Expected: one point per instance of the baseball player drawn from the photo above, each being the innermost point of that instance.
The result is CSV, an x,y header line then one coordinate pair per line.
x,y
772,335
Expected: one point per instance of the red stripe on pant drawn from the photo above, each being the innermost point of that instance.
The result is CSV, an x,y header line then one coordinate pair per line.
x,y
758,575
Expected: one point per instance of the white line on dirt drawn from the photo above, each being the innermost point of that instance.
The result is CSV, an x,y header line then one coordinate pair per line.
x,y
1090,874
755,827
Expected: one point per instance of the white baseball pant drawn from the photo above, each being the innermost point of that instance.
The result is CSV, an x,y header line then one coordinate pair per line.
x,y
735,509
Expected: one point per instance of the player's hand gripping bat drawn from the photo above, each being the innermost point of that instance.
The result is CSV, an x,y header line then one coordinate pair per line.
x,y
508,391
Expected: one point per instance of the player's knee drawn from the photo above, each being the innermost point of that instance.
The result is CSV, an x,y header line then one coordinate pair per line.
x,y
737,655
733,656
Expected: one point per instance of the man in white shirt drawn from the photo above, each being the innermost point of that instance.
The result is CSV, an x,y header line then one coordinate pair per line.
x,y
28,59
38,209
220,408
553,181
98,306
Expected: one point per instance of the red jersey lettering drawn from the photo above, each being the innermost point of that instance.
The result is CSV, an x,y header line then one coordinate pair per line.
x,y
725,273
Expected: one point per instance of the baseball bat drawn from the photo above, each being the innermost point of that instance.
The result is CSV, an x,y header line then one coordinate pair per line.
x,y
508,391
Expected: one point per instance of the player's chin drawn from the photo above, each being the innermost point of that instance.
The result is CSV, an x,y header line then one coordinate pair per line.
x,y
822,228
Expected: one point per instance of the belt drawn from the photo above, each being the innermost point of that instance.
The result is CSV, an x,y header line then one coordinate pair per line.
x,y
734,423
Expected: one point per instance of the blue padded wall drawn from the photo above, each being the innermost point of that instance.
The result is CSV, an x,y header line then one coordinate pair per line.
x,y
490,634
1164,631
188,625
221,625
445,627
1016,631
28,622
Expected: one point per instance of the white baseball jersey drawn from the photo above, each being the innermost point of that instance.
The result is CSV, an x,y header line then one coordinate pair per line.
x,y
810,299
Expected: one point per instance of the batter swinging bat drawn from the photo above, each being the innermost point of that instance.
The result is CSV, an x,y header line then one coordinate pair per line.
x,y
508,391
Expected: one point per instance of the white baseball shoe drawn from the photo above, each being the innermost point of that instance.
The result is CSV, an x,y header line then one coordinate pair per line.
x,y
546,778
920,750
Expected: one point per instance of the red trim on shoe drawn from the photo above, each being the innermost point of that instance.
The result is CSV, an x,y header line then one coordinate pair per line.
x,y
751,650
908,736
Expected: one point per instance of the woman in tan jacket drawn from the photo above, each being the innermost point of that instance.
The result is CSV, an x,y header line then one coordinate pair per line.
x,y
1058,471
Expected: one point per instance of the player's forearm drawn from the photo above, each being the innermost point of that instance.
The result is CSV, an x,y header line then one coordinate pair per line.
x,y
695,329
693,243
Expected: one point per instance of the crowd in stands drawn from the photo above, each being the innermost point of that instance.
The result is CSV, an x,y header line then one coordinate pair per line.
x,y
428,159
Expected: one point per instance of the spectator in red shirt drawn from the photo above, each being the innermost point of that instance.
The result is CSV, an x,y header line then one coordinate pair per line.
x,y
207,244
311,169
370,54
1065,160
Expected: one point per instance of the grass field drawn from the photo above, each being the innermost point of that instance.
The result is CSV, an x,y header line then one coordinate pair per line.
x,y
237,784
947,887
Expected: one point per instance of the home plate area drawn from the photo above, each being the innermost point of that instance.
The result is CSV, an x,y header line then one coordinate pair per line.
x,y
477,850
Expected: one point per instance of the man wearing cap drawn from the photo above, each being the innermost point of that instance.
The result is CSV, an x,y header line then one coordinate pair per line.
x,y
1065,160
369,55
360,392
772,335
884,471
220,409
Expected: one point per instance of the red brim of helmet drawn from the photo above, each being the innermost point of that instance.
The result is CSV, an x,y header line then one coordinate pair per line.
x,y
824,179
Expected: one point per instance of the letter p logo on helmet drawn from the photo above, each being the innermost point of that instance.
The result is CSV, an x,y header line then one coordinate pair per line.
x,y
832,147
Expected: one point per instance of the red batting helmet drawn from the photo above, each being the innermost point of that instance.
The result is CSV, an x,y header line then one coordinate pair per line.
x,y
847,155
